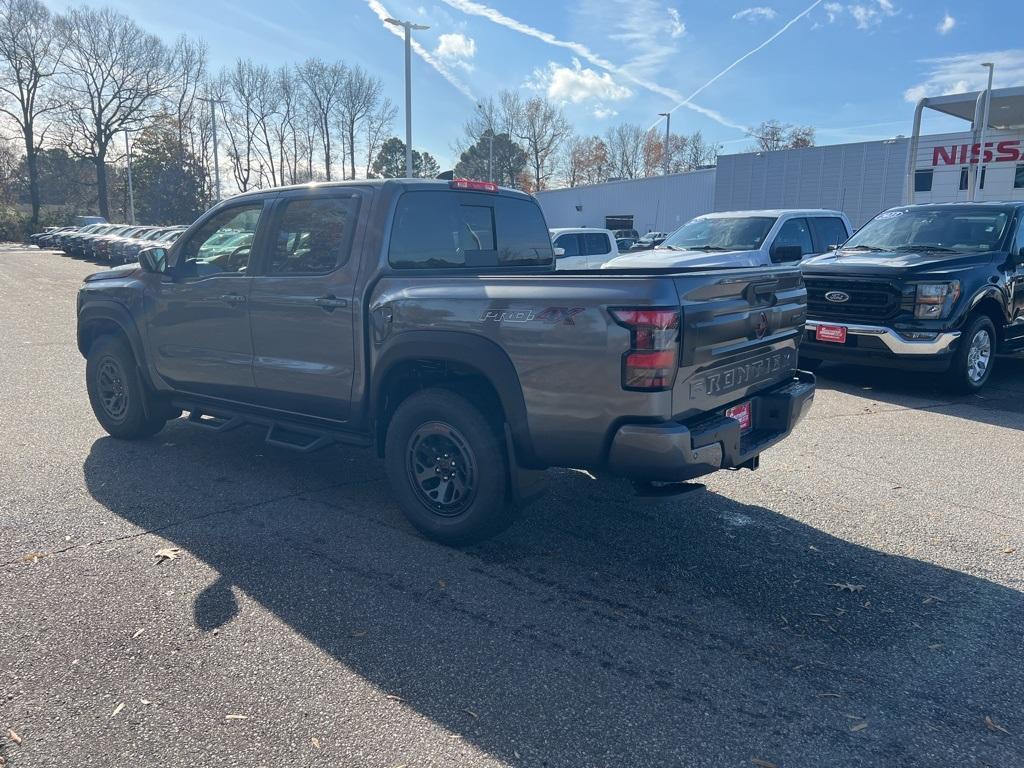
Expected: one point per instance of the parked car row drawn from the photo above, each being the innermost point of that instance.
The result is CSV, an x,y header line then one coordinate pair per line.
x,y
935,288
110,243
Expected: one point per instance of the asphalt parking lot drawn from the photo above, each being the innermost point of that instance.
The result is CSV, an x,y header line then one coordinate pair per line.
x,y
857,602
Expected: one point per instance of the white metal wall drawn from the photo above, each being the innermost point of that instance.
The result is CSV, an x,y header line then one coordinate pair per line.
x,y
661,203
858,179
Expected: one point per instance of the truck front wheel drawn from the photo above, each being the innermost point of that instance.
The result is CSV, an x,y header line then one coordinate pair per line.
x,y
974,357
117,394
448,468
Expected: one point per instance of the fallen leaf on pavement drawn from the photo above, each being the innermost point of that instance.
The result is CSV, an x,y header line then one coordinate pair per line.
x,y
32,557
137,633
1009,550
847,586
762,763
14,736
859,726
935,646
167,553
117,709
144,702
316,742
236,717
441,584
995,727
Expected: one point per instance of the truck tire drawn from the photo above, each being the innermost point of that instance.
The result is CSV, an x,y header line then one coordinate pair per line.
x,y
123,406
975,355
448,468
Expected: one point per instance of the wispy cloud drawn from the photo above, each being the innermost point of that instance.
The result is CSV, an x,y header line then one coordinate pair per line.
x,y
456,49
946,25
961,73
757,13
867,14
577,84
442,69
687,102
583,52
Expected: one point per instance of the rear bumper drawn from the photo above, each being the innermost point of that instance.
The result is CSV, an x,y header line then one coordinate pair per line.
x,y
882,346
675,452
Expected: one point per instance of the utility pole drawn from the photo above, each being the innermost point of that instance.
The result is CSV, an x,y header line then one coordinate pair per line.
x,y
131,192
408,26
979,169
216,163
668,137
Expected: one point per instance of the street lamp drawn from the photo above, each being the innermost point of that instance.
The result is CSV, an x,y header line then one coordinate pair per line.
x,y
408,26
131,191
980,168
668,123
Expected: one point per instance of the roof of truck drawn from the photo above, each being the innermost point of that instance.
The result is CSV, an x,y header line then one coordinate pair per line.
x,y
775,212
405,183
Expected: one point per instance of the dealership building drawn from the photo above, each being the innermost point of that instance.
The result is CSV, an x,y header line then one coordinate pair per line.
x,y
859,179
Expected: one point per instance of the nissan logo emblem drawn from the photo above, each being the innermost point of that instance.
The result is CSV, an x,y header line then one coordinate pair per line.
x,y
762,326
837,297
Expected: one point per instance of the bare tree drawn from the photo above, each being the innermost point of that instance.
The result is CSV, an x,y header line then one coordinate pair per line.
x,y
31,51
113,74
626,150
284,126
699,153
378,126
771,135
586,161
323,83
360,97
541,128
233,89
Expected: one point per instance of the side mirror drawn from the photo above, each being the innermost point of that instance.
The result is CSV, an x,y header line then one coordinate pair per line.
x,y
785,253
559,252
153,260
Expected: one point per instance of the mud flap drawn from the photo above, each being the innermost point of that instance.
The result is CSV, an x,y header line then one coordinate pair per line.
x,y
525,485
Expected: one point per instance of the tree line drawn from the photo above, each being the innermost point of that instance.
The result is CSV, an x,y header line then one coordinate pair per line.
x,y
86,91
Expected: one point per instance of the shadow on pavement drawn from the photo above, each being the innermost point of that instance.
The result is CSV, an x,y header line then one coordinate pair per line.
x,y
1003,394
597,631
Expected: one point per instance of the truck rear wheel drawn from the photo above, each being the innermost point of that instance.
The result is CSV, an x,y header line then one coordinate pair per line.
x,y
122,405
974,357
448,468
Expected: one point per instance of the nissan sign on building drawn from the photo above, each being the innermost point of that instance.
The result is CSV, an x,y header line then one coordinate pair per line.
x,y
944,163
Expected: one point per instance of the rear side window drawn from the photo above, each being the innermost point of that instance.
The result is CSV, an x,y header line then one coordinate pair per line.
x,y
795,232
596,244
439,230
829,231
313,236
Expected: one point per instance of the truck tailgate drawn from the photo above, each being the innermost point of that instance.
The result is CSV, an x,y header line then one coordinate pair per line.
x,y
739,334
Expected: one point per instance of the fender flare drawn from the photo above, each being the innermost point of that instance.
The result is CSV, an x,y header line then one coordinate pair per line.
x,y
471,351
103,310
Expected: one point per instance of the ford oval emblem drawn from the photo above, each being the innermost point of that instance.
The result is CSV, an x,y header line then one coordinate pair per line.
x,y
837,297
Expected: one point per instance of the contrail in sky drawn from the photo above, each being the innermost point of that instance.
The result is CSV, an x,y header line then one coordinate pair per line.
x,y
747,55
492,14
382,13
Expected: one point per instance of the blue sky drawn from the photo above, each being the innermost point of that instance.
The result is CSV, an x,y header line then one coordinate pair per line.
x,y
850,69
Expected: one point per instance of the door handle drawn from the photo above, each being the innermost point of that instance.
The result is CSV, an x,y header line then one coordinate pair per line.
x,y
233,298
330,303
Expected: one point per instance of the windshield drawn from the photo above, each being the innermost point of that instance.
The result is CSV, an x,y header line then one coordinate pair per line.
x,y
935,229
740,233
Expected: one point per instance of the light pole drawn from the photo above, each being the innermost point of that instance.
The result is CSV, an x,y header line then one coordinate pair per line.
x,y
668,124
216,163
131,192
408,26
980,168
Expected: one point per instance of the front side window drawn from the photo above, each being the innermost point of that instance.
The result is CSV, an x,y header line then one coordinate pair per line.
x,y
570,243
972,229
739,233
795,232
222,244
313,236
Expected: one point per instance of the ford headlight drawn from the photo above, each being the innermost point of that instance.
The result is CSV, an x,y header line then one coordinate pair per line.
x,y
935,300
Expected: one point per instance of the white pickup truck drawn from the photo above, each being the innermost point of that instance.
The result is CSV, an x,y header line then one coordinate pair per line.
x,y
744,239
582,247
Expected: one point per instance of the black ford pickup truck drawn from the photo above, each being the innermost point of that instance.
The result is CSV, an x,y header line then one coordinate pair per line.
x,y
426,319
935,288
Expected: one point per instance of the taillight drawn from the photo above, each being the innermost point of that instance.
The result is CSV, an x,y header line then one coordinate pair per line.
x,y
472,184
652,360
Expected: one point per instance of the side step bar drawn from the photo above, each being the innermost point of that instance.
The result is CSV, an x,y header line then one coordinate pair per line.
x,y
281,433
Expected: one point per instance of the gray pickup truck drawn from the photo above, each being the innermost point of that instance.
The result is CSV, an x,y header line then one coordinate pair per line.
x,y
425,319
